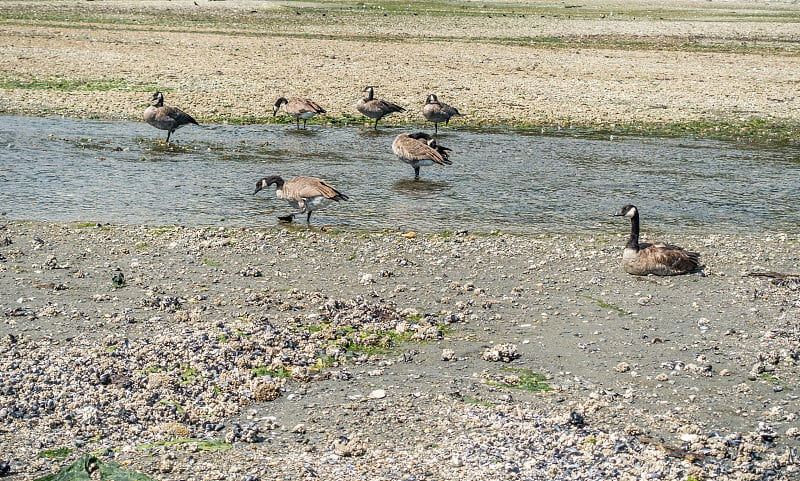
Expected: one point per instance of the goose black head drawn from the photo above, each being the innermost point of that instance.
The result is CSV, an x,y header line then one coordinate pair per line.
x,y
626,211
432,99
278,104
267,181
157,99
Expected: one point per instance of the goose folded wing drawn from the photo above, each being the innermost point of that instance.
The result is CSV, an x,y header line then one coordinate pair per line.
x,y
413,149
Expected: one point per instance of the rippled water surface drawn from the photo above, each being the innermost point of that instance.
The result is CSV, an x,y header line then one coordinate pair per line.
x,y
57,169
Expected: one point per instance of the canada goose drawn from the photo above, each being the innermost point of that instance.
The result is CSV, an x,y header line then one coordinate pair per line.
x,y
305,193
657,258
437,112
166,118
376,108
298,108
420,149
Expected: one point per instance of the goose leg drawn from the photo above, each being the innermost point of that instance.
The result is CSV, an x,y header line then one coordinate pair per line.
x,y
376,124
169,132
308,217
436,127
416,172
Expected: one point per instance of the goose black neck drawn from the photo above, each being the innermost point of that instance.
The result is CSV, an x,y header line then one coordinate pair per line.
x,y
633,240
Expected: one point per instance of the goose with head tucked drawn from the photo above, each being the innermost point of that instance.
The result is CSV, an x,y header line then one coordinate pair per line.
x,y
299,108
166,117
420,149
374,108
655,258
438,112
304,193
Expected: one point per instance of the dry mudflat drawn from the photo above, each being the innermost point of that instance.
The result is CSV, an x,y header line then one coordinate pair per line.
x,y
192,353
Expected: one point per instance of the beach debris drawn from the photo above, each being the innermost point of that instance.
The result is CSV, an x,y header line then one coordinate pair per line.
x,y
345,447
118,280
501,352
792,281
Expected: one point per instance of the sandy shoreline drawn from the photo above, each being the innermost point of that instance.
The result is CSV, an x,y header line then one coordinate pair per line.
x,y
703,66
690,374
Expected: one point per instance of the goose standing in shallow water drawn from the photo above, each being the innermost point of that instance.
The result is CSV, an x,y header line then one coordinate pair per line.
x,y
305,193
298,108
438,112
420,149
166,118
376,108
657,258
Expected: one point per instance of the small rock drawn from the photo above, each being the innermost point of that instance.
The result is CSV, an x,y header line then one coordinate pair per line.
x,y
377,394
622,367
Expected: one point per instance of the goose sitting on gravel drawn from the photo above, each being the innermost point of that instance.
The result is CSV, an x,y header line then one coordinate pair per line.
x,y
376,108
166,118
305,193
438,112
298,108
420,149
657,258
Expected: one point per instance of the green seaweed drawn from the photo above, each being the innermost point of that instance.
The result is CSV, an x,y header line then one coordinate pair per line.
x,y
528,381
605,305
57,453
89,467
202,444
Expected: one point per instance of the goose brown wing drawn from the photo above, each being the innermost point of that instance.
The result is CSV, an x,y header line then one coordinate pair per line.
x,y
308,187
174,114
311,105
414,150
301,106
390,107
674,258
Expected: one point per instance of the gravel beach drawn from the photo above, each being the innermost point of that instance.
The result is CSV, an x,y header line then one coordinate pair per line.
x,y
197,353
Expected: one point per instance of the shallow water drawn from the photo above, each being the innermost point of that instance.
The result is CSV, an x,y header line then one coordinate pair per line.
x,y
60,169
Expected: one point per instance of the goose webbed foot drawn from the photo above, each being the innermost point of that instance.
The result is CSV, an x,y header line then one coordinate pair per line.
x,y
286,218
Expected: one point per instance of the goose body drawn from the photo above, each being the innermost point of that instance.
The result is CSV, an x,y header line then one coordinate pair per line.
x,y
374,108
420,149
438,112
306,194
298,108
165,117
656,258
